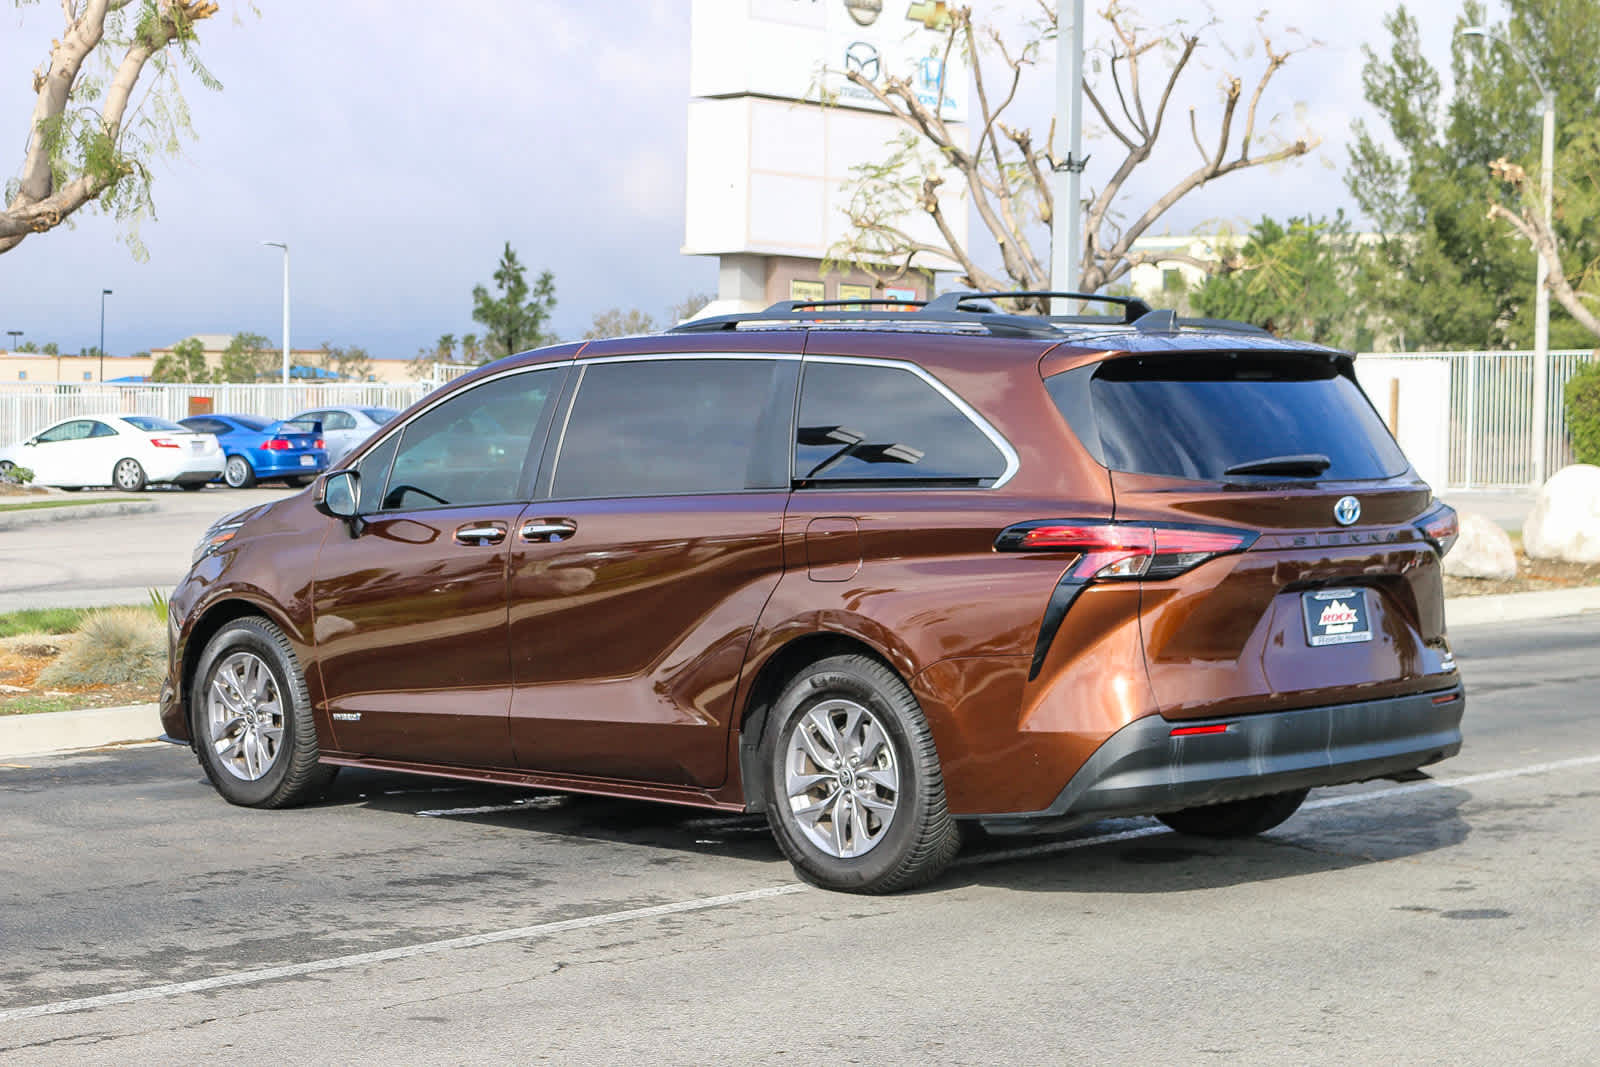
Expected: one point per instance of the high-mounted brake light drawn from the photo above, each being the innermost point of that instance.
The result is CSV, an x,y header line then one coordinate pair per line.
x,y
1111,550
1441,527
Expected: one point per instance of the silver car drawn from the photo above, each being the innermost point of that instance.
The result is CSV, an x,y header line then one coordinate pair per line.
x,y
346,425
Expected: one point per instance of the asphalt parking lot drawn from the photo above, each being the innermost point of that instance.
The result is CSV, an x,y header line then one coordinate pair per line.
x,y
114,559
142,919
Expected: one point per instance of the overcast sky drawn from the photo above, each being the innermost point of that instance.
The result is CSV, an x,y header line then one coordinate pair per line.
x,y
397,145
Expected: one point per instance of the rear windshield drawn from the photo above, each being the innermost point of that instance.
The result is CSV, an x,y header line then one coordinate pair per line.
x,y
380,415
252,422
149,424
1196,415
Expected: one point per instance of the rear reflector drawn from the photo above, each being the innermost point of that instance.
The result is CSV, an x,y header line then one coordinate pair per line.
x,y
1190,731
1447,698
1110,550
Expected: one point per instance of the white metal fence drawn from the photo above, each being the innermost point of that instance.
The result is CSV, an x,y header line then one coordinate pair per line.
x,y
27,409
1475,411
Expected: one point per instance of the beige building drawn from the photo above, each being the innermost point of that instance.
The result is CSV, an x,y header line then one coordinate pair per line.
x,y
35,368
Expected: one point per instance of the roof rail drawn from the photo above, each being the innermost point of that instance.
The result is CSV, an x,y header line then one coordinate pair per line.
x,y
1133,309
965,308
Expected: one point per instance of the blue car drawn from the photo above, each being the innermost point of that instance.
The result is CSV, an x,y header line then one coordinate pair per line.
x,y
261,450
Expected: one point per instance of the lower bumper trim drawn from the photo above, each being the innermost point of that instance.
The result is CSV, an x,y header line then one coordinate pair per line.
x,y
1143,769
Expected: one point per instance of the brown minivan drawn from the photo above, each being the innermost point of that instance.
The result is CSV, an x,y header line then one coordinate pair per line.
x,y
871,572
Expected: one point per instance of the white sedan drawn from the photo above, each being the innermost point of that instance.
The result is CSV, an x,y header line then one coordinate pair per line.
x,y
125,451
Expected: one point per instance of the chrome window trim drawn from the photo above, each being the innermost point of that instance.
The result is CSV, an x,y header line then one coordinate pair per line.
x,y
1013,461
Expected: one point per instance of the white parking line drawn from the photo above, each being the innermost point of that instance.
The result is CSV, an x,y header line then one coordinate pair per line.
x,y
522,933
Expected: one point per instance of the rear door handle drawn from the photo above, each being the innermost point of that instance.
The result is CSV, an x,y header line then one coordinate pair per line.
x,y
481,533
547,530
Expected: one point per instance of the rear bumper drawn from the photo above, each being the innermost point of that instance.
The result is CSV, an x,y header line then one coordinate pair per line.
x,y
1142,769
286,464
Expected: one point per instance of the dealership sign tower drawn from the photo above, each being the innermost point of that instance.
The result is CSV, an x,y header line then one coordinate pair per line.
x,y
775,128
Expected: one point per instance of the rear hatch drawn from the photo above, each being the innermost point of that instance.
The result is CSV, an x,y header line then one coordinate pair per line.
x,y
292,436
1334,594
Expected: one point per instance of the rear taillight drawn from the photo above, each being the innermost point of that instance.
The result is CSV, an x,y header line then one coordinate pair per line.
x,y
162,442
319,443
1111,550
1440,527
276,444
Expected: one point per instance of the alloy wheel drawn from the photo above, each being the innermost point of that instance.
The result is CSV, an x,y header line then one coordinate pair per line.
x,y
245,716
842,781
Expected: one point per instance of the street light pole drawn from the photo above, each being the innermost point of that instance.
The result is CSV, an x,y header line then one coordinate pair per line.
x,y
14,335
285,247
103,294
1066,223
1541,292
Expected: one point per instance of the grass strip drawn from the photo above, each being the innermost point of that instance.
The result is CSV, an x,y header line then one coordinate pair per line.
x,y
39,505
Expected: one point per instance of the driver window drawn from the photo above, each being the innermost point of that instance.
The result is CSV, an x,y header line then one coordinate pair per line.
x,y
471,449
76,430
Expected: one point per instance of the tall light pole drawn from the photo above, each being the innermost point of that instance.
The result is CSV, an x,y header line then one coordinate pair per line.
x,y
1066,223
1541,292
285,247
103,294
14,335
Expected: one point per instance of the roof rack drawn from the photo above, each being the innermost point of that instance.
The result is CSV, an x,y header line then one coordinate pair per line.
x,y
969,309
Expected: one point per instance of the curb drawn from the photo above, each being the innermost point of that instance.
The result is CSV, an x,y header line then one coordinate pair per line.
x,y
1520,607
33,516
68,731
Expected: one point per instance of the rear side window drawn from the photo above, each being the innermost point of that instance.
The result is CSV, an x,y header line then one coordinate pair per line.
x,y
862,424
1194,416
661,427
150,424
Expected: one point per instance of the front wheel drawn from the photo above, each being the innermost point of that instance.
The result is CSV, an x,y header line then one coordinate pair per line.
x,y
251,718
238,473
856,793
128,476
1237,818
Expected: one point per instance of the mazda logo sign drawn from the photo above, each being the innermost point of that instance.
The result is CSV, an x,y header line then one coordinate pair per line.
x,y
1347,510
862,58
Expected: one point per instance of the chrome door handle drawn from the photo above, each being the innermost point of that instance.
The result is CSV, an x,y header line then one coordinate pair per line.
x,y
548,530
482,533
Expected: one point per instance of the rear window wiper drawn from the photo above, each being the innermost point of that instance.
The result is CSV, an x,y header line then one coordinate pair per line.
x,y
1308,465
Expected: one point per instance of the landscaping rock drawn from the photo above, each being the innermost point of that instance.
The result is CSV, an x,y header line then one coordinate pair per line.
x,y
1483,550
1565,521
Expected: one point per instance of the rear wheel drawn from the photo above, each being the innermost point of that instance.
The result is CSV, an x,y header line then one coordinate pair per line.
x,y
128,476
1237,818
856,793
251,718
238,473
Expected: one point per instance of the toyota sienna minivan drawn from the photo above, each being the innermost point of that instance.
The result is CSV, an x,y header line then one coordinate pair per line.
x,y
873,573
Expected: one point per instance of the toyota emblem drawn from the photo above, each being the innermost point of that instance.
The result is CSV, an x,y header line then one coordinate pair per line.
x,y
1347,510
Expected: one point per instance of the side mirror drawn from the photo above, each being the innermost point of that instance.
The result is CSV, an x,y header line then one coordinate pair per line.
x,y
341,492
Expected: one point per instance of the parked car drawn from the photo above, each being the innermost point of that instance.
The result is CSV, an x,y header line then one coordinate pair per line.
x,y
868,572
346,426
264,450
125,451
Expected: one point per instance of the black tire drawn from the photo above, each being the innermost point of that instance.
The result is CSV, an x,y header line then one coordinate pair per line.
x,y
238,472
918,839
294,775
1237,818
128,475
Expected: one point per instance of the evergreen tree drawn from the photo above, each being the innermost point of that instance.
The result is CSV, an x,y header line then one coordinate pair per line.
x,y
515,318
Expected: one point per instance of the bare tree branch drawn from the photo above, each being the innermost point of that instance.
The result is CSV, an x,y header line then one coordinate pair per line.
x,y
1530,223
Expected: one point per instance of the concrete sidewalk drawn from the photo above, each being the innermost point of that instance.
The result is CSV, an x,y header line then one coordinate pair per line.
x,y
67,731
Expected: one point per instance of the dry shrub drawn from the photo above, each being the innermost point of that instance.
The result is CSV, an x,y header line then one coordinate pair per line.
x,y
112,647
